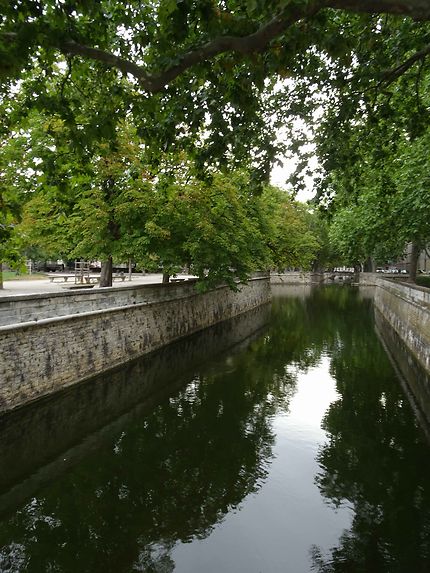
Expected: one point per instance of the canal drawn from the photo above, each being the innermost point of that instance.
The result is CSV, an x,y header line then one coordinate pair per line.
x,y
279,442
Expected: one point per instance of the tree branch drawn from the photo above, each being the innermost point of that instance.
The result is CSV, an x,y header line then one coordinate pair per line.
x,y
253,43
73,48
389,76
415,9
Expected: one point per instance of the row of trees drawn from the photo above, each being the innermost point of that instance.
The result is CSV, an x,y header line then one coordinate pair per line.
x,y
111,206
372,142
378,195
205,85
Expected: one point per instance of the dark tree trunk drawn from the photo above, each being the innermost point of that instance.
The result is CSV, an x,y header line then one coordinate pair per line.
x,y
106,273
369,266
413,262
166,278
1,275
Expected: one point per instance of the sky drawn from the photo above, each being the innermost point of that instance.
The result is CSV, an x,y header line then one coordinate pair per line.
x,y
280,174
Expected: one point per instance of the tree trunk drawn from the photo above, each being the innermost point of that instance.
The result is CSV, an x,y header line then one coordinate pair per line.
x,y
369,265
413,262
166,278
106,273
1,275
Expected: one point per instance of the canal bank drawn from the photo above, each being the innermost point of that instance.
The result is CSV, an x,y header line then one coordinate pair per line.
x,y
51,341
406,308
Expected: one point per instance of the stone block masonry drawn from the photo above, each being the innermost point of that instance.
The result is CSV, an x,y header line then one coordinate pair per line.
x,y
26,308
406,307
296,278
43,355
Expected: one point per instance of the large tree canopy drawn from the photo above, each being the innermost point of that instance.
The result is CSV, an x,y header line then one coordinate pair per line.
x,y
158,42
218,79
201,70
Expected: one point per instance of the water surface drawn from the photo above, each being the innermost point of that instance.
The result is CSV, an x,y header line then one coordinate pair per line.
x,y
279,443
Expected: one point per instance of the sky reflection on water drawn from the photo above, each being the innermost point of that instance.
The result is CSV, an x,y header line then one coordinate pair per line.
x,y
274,528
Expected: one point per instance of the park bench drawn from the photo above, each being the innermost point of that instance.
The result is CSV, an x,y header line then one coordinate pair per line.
x,y
119,276
64,278
60,278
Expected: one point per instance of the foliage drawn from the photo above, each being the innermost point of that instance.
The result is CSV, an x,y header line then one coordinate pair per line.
x,y
219,229
204,79
199,75
288,231
388,206
11,178
423,280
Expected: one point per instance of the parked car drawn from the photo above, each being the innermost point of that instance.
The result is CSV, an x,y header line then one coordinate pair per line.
x,y
48,266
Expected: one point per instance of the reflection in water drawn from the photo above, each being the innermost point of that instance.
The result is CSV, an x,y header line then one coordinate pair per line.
x,y
376,459
294,451
414,379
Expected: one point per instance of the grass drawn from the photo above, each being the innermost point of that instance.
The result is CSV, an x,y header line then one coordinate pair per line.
x,y
423,280
13,276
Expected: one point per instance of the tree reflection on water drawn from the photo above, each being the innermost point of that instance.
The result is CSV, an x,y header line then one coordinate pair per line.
x,y
376,461
172,474
167,476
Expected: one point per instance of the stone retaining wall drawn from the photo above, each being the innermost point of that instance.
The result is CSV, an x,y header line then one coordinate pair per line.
x,y
35,307
50,433
406,307
70,344
414,379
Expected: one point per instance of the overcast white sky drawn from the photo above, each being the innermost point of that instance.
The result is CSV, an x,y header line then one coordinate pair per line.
x,y
280,175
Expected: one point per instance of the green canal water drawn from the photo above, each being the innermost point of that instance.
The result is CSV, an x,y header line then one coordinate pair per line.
x,y
280,442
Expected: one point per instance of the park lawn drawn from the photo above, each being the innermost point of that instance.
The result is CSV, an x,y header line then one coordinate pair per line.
x,y
13,276
423,281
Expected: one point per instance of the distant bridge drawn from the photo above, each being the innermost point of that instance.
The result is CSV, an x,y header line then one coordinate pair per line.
x,y
347,275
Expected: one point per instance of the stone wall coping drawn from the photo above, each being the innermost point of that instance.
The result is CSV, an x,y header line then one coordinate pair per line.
x,y
78,315
115,289
411,286
92,293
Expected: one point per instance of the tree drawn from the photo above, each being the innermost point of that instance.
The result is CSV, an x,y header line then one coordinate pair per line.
x,y
381,199
211,228
13,185
289,232
220,230
201,76
202,69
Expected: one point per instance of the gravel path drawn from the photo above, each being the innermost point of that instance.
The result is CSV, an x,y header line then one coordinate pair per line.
x,y
37,286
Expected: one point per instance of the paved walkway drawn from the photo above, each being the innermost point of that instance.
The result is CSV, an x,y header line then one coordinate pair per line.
x,y
37,286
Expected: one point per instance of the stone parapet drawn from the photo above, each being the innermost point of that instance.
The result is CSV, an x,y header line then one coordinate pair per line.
x,y
296,278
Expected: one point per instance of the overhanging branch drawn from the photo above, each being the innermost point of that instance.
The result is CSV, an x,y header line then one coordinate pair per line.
x,y
126,66
390,76
253,43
